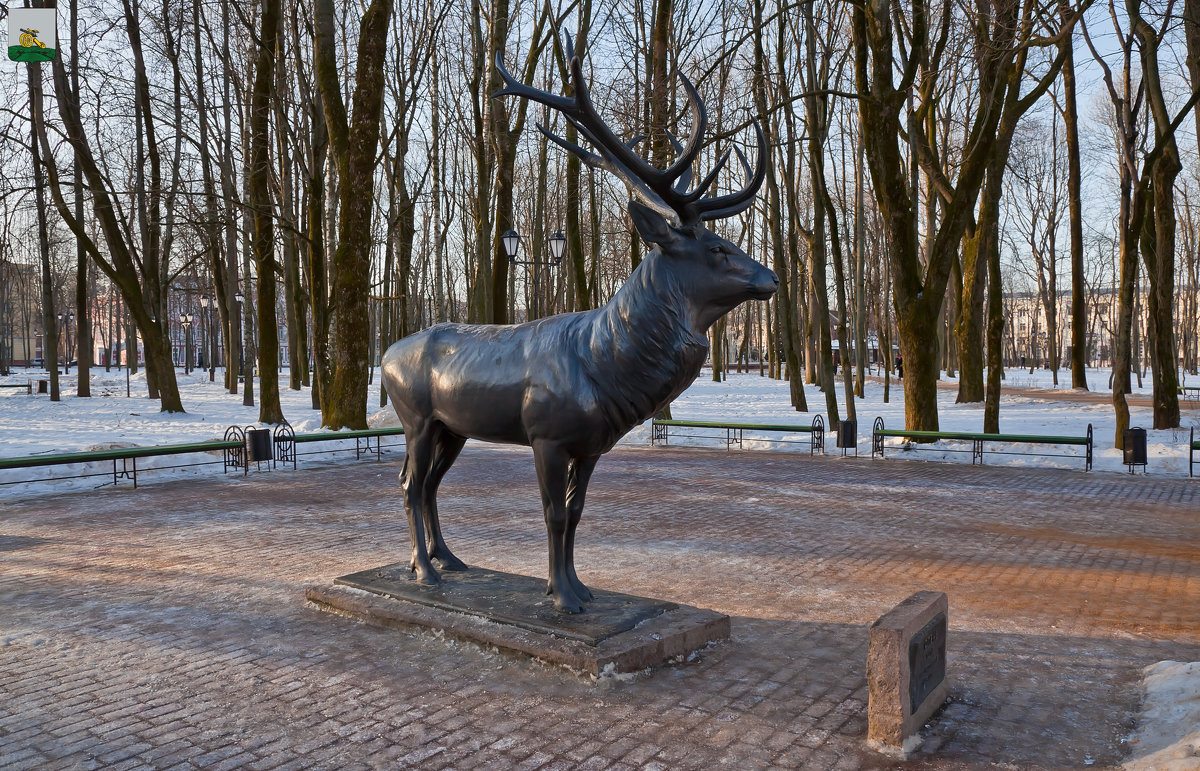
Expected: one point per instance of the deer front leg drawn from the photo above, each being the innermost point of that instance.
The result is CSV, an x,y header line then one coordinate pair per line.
x,y
579,475
447,446
417,457
551,464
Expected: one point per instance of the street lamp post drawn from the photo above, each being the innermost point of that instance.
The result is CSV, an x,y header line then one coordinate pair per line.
x,y
240,298
65,322
210,347
248,383
186,320
558,245
512,245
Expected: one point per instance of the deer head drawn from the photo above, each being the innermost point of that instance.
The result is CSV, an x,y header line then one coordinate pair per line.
x,y
710,271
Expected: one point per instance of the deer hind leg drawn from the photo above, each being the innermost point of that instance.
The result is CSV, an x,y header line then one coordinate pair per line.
x,y
446,447
551,464
418,457
578,475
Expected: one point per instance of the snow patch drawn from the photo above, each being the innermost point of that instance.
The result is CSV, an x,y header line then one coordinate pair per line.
x,y
1168,738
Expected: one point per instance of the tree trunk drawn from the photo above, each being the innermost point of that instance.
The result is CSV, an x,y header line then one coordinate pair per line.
x,y
355,143
968,327
504,146
294,300
1131,206
1074,196
995,333
814,108
83,315
269,411
49,327
785,310
1158,252
860,306
232,311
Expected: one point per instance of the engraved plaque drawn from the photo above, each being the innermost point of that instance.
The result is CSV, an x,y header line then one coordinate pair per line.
x,y
926,660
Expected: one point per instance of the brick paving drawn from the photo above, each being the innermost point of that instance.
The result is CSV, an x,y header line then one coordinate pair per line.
x,y
166,627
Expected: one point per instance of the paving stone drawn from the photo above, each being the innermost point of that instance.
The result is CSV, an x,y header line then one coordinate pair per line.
x,y
179,631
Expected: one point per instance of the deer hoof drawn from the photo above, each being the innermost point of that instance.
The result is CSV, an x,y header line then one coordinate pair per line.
x,y
450,562
568,602
569,606
428,576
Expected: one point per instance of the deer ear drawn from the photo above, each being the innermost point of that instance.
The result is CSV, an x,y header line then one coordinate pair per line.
x,y
650,225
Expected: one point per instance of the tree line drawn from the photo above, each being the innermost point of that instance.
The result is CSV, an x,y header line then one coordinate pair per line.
x,y
342,168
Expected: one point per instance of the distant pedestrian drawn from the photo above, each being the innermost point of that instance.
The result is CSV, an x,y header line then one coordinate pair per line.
x,y
900,366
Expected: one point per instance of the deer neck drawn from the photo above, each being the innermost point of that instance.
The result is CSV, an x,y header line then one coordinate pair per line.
x,y
647,335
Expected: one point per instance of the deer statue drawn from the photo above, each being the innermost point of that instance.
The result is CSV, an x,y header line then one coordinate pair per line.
x,y
571,385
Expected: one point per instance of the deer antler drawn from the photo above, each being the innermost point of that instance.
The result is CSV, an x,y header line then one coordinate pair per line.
x,y
664,190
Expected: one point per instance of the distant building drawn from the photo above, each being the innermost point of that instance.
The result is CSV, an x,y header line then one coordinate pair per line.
x,y
20,315
1027,329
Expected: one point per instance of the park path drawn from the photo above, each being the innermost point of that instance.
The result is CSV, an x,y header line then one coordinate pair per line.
x,y
166,627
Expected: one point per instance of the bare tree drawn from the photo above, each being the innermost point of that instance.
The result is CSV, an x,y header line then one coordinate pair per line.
x,y
1004,37
261,205
354,142
1146,221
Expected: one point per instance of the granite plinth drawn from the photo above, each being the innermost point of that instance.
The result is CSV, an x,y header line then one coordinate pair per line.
x,y
617,632
906,671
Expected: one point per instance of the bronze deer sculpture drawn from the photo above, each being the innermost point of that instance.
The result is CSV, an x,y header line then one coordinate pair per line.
x,y
571,385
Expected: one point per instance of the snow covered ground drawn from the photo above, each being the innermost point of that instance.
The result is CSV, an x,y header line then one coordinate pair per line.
x,y
1168,738
755,399
1097,380
32,425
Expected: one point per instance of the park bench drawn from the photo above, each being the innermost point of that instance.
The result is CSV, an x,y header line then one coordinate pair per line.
x,y
233,449
1193,447
660,431
1190,392
286,440
127,457
978,440
27,386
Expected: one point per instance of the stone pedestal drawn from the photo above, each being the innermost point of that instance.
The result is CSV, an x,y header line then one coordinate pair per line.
x,y
617,633
906,671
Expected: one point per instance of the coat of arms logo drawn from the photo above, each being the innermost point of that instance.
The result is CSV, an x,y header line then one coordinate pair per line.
x,y
32,34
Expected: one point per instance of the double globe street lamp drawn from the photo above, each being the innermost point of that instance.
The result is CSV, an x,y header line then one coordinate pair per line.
x,y
240,298
512,246
65,354
186,320
209,345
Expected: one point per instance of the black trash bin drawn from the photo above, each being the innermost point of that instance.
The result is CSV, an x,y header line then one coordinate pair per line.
x,y
1134,453
43,387
847,435
258,445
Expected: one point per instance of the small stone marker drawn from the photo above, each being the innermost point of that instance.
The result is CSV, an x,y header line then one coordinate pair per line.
x,y
906,670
